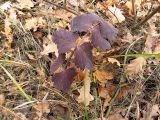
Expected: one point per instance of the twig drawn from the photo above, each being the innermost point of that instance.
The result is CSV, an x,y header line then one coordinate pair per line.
x,y
147,18
67,9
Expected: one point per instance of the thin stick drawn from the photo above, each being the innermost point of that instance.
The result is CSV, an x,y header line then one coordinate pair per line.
x,y
67,9
147,18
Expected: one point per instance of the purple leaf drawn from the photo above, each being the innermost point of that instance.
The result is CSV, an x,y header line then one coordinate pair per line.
x,y
64,39
64,79
57,63
83,56
108,31
98,40
83,23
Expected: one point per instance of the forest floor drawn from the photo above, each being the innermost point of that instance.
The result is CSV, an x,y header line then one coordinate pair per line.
x,y
125,81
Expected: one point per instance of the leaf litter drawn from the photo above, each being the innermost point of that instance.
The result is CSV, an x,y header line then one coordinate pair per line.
x,y
90,91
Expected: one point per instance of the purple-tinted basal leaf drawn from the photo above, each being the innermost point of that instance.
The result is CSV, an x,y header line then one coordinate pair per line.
x,y
83,56
98,40
83,23
64,39
60,60
108,31
64,79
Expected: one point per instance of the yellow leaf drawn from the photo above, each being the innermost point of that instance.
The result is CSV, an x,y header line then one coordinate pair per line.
x,y
85,97
136,66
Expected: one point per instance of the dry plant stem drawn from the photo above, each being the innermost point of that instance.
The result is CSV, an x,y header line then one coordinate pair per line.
x,y
65,3
133,9
147,18
114,97
130,106
12,112
16,84
67,9
111,102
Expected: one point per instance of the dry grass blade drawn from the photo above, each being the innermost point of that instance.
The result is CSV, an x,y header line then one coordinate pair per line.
x,y
17,84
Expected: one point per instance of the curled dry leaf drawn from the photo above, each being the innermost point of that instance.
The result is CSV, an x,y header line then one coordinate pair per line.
x,y
49,46
113,60
136,66
116,14
103,76
85,97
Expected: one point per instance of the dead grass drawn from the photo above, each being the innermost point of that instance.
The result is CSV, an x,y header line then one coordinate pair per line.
x,y
34,77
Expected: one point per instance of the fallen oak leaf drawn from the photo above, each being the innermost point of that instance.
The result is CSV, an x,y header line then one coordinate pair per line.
x,y
42,107
49,46
103,76
85,97
135,66
25,4
34,23
116,14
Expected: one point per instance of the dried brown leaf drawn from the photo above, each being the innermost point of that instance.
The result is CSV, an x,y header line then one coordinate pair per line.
x,y
43,107
2,99
49,46
113,60
25,4
136,66
115,14
34,23
155,111
116,116
103,76
85,97
104,94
